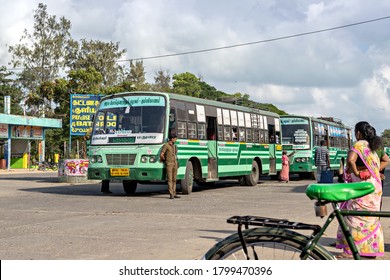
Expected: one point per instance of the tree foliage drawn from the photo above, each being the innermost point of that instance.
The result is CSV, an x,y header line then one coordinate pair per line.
x,y
386,137
210,92
186,84
137,76
101,56
41,54
54,66
8,87
162,81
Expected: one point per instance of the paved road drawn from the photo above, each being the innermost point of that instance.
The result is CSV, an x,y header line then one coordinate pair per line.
x,y
42,218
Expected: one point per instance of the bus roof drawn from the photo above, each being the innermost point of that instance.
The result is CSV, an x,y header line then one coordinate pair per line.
x,y
197,100
320,120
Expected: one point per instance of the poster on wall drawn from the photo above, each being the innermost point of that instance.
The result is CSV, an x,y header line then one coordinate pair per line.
x,y
3,130
73,167
23,131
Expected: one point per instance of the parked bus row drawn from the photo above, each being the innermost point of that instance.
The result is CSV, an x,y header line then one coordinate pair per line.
x,y
216,140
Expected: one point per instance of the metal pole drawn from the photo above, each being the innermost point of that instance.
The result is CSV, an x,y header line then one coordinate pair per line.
x,y
78,149
70,146
64,149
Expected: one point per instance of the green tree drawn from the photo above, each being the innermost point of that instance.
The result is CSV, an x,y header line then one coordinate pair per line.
x,y
78,81
136,77
99,55
210,92
386,137
42,53
187,84
85,81
8,87
162,81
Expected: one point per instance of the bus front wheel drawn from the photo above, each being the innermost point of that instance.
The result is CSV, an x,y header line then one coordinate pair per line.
x,y
129,186
253,178
188,181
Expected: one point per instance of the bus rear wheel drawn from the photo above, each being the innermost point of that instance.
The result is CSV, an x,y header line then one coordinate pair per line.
x,y
129,187
188,181
253,178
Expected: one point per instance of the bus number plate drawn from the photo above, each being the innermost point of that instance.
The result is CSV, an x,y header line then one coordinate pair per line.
x,y
119,172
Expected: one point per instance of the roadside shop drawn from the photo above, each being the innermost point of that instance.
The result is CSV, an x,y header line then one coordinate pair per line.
x,y
17,133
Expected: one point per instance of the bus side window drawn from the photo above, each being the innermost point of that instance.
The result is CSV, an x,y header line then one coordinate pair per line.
x,y
234,134
265,136
201,130
256,136
192,131
271,136
277,137
172,122
220,132
241,134
227,133
181,130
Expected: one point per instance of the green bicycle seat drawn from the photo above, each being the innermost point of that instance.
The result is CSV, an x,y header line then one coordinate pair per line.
x,y
339,192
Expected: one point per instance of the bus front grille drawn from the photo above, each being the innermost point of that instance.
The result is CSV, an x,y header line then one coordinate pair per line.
x,y
120,159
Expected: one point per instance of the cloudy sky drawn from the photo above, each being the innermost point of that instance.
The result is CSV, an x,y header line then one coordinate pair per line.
x,y
344,73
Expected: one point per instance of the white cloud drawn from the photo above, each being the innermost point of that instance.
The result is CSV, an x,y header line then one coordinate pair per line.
x,y
342,73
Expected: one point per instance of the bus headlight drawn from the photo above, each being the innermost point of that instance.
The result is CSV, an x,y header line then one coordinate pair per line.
x,y
144,159
152,159
303,159
95,159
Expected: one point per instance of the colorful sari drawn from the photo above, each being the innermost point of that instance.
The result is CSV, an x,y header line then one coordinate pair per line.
x,y
366,231
284,174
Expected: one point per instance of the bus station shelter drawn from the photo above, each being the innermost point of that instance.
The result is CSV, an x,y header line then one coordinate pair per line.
x,y
16,135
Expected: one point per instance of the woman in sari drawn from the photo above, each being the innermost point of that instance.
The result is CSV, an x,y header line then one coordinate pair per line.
x,y
284,176
285,173
363,164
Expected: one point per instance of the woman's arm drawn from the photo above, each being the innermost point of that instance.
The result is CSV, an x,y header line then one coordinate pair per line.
x,y
351,163
384,161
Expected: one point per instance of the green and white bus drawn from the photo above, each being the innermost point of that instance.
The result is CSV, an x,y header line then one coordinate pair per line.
x,y
303,134
216,140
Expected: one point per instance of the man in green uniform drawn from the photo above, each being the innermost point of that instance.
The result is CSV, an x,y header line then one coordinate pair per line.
x,y
168,155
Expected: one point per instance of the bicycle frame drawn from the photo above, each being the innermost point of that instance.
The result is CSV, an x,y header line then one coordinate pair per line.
x,y
339,214
286,233
317,231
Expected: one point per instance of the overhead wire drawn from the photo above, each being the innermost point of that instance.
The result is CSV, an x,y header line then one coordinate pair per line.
x,y
258,42
243,44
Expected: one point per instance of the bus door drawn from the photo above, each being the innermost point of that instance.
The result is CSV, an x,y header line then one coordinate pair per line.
x,y
212,148
272,139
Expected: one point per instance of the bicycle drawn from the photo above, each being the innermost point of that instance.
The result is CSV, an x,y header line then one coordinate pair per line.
x,y
279,239
44,165
32,165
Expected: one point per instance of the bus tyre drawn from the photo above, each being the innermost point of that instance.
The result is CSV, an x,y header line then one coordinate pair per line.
x,y
188,181
241,181
253,178
129,186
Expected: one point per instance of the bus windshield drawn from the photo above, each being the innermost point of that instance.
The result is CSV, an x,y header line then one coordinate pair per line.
x,y
296,132
130,120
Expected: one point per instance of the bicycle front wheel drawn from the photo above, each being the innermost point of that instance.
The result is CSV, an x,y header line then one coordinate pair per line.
x,y
266,244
